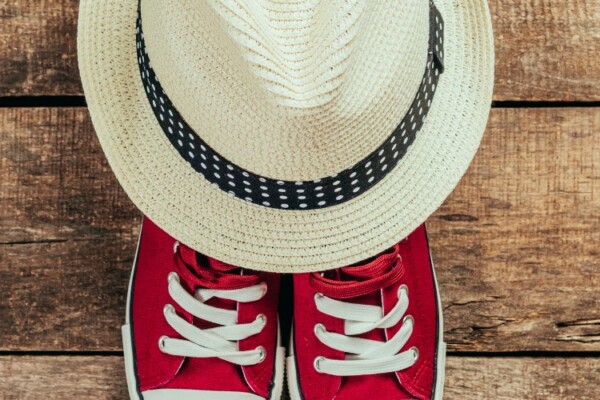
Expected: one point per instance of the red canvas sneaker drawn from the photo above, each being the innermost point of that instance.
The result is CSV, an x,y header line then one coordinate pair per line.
x,y
198,328
370,331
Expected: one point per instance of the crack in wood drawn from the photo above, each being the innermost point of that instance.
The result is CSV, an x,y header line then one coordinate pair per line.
x,y
488,299
458,218
578,322
26,242
583,338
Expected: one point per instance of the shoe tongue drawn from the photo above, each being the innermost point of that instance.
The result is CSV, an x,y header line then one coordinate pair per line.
x,y
363,278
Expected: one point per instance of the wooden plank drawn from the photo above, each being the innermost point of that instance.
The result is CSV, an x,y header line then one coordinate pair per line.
x,y
545,49
64,295
522,378
56,183
516,245
61,377
68,234
38,48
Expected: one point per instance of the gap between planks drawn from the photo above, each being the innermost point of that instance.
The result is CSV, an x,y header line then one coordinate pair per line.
x,y
79,101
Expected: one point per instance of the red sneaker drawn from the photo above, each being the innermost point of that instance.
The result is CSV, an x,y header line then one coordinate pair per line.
x,y
198,328
372,331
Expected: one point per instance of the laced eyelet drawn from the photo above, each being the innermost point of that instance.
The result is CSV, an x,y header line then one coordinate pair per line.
x,y
161,342
172,276
319,328
408,318
265,288
401,288
318,296
175,246
317,363
415,351
168,309
262,318
263,354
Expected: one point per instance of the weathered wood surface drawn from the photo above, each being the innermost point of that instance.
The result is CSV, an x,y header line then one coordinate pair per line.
x,y
516,245
68,234
545,49
38,48
62,377
56,184
522,378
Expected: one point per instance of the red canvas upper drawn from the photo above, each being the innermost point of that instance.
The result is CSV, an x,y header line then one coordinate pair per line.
x,y
374,282
149,294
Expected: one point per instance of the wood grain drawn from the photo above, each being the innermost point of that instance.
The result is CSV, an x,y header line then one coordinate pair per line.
x,y
522,378
61,377
516,245
545,49
38,48
56,184
68,234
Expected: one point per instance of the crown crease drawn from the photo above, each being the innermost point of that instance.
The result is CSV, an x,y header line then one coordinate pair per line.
x,y
298,49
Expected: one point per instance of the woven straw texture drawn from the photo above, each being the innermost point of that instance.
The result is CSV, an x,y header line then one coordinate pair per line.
x,y
288,90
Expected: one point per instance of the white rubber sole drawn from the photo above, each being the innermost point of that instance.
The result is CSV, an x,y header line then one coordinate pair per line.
x,y
440,367
438,391
131,374
127,336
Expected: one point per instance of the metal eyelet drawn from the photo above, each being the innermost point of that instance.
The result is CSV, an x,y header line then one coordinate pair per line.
x,y
317,363
415,351
265,288
263,354
168,309
401,288
175,246
161,342
319,328
262,318
172,276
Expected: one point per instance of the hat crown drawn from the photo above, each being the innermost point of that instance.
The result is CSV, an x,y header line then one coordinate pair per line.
x,y
331,79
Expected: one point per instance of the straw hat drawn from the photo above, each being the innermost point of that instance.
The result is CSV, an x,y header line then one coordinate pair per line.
x,y
287,135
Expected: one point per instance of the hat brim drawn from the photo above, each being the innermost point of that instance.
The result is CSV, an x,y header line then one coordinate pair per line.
x,y
189,208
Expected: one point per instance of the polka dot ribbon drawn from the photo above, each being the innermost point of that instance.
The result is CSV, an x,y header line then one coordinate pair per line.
x,y
291,195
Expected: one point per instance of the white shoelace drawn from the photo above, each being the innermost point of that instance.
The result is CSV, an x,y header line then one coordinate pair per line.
x,y
220,341
365,356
